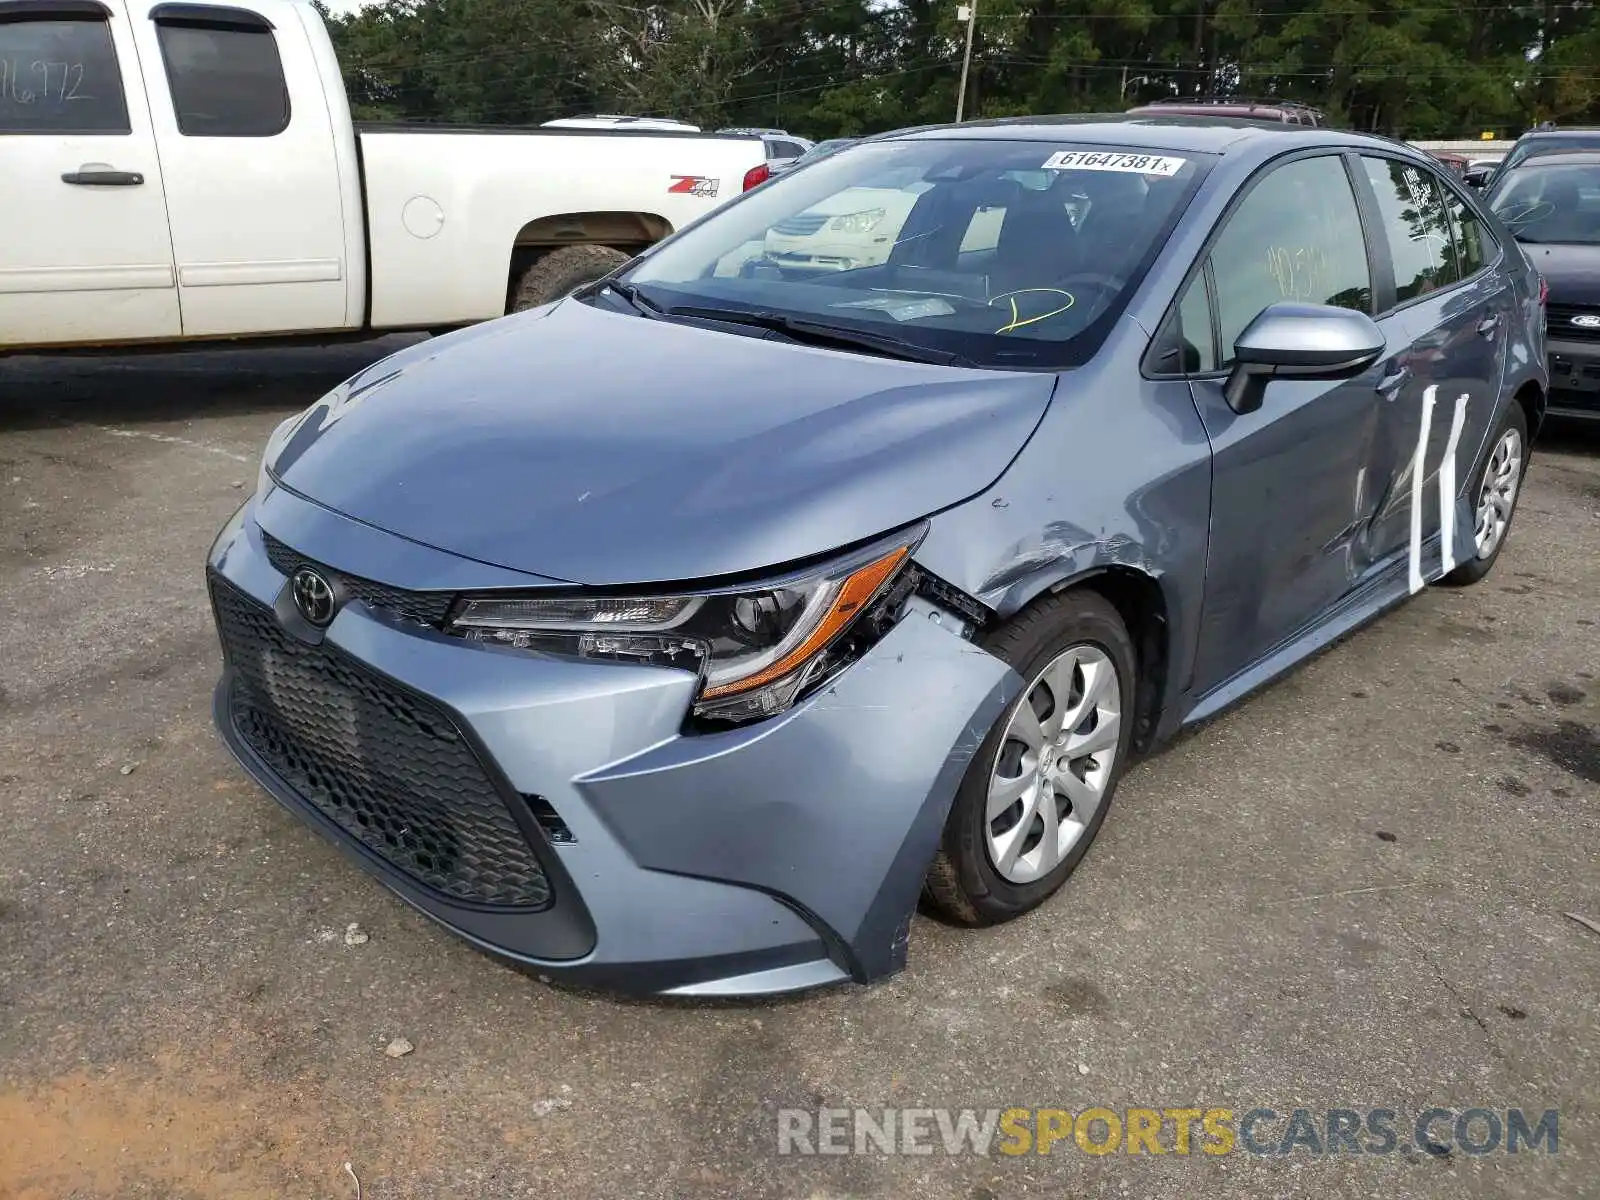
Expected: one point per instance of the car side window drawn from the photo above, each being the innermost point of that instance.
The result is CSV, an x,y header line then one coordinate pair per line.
x,y
59,74
226,77
1198,348
1415,222
1473,244
787,150
1295,237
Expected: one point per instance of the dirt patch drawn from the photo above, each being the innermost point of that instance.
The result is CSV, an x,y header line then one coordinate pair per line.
x,y
1078,997
1573,747
105,1135
174,1128
1565,694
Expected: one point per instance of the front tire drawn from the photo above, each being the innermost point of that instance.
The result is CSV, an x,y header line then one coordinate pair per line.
x,y
559,273
1499,487
1038,790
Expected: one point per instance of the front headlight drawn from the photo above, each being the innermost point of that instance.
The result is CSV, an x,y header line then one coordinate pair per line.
x,y
755,648
859,222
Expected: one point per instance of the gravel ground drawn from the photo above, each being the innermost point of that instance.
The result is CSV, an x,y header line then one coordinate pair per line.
x,y
1348,892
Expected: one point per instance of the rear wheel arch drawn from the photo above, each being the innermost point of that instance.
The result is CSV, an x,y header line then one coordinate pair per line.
x,y
1532,398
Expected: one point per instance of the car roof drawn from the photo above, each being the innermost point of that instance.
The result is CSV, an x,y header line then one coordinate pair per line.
x,y
1535,135
1220,135
1565,158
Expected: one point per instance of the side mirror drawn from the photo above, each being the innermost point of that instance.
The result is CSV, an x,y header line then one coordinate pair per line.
x,y
1299,341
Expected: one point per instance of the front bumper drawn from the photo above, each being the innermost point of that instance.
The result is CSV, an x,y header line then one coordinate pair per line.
x,y
1574,378
820,253
772,858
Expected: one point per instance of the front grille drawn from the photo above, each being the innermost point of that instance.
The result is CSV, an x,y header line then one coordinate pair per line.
x,y
387,766
1558,322
801,225
424,608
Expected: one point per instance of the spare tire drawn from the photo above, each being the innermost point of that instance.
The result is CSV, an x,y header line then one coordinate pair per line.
x,y
561,272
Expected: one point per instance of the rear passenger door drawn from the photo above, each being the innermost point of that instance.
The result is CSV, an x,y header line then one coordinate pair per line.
x,y
1438,405
84,250
1292,493
252,169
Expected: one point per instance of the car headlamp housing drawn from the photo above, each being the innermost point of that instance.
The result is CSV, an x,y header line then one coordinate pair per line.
x,y
756,647
859,222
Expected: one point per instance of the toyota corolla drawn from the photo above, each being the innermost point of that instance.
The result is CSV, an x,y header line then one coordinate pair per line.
x,y
677,636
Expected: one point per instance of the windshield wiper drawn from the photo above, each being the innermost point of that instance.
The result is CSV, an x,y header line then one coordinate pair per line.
x,y
630,292
818,333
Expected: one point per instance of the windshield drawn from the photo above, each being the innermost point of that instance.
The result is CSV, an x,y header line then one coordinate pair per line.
x,y
1554,203
999,253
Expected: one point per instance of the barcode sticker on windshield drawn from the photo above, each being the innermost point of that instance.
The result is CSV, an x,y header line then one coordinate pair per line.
x,y
1099,160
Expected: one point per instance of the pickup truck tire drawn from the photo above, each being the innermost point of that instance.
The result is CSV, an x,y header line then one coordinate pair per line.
x,y
561,272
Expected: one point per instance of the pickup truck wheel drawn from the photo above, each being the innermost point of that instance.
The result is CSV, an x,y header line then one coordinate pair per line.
x,y
562,272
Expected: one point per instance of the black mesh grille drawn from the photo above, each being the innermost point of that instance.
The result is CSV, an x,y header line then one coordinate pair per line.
x,y
387,766
425,608
1558,323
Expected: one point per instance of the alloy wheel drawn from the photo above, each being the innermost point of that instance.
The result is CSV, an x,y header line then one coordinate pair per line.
x,y
1498,497
1054,763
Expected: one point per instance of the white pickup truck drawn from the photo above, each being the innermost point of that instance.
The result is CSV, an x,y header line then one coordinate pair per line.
x,y
189,172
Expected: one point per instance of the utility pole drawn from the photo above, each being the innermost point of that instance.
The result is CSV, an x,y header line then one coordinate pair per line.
x,y
969,14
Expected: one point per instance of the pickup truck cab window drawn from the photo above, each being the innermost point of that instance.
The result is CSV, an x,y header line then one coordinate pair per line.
x,y
58,71
224,71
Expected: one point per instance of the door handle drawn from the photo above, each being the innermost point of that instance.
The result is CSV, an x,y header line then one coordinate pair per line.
x,y
102,177
1488,325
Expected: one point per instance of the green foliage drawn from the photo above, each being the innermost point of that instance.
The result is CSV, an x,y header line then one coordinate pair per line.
x,y
826,68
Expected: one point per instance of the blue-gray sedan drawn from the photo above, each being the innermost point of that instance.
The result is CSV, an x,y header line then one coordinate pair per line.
x,y
677,636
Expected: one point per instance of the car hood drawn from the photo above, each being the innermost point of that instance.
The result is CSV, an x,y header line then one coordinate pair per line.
x,y
602,448
1573,272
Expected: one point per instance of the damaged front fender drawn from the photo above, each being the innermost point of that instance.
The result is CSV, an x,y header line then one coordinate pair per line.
x,y
837,808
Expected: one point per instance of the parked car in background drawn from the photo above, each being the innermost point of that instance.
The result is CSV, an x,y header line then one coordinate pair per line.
x,y
1290,112
652,681
1551,204
1544,140
783,148
860,226
188,172
1456,164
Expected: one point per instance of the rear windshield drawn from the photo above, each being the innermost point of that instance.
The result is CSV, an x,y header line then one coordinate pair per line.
x,y
1552,203
1003,253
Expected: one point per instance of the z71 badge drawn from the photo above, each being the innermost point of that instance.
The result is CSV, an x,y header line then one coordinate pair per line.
x,y
694,185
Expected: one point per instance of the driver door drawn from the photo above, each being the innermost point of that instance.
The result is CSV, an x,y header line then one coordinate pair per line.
x,y
1292,493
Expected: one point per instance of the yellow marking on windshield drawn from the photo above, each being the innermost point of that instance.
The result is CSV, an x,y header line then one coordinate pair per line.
x,y
1017,321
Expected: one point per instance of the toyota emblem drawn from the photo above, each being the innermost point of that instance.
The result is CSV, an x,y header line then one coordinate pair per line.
x,y
313,596
1587,320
